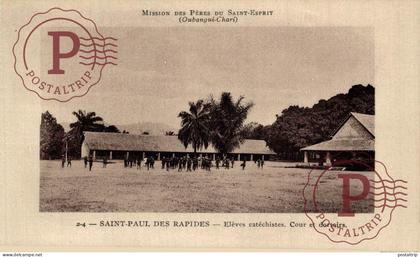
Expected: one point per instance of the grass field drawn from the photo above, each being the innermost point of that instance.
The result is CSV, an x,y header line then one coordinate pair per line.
x,y
117,189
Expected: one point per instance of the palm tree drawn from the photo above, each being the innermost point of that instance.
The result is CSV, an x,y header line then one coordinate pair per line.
x,y
227,119
195,126
86,121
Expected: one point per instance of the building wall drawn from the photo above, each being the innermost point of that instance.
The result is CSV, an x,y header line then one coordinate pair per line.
x,y
352,129
85,150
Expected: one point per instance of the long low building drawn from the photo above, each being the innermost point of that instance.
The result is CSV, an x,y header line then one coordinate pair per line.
x,y
353,139
120,146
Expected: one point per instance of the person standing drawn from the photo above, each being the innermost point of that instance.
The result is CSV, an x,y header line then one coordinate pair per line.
x,y
152,162
139,160
147,163
180,165
189,163
232,161
85,160
226,163
262,163
68,161
183,162
208,163
217,162
104,162
243,164
168,163
163,162
195,163
200,161
63,161
90,163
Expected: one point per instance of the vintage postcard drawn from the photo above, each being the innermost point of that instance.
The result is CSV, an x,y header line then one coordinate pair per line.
x,y
197,125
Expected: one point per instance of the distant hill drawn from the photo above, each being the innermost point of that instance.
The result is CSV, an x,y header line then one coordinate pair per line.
x,y
153,128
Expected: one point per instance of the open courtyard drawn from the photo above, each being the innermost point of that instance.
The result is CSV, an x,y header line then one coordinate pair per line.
x,y
273,189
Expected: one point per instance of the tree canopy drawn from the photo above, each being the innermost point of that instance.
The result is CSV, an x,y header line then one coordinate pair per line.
x,y
51,135
195,124
254,130
297,127
216,121
86,121
227,120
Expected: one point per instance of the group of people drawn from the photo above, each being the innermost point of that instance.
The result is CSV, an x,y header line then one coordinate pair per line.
x,y
260,163
149,163
226,162
180,163
186,163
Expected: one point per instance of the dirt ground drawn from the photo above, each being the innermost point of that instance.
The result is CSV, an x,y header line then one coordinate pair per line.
x,y
274,189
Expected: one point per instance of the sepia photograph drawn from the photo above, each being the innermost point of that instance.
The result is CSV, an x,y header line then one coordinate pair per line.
x,y
196,126
215,120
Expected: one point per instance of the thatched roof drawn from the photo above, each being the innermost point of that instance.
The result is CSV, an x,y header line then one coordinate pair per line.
x,y
368,121
343,145
149,143
349,144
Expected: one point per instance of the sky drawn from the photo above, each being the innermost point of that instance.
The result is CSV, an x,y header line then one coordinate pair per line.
x,y
161,69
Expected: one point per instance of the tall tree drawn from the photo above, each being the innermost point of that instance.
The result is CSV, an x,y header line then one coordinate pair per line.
x,y
227,120
195,126
51,135
86,121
